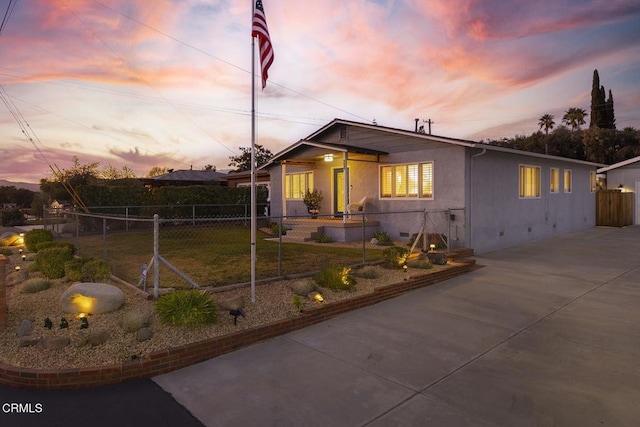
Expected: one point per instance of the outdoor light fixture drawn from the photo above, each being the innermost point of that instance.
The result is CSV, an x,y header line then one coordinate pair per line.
x,y
63,323
48,323
235,313
24,257
17,268
432,247
318,297
328,157
404,268
84,323
20,250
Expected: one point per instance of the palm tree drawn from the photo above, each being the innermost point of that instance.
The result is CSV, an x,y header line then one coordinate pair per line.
x,y
574,117
547,123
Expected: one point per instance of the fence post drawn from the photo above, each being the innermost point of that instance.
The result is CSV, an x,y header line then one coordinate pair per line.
x,y
3,292
193,215
364,243
126,215
104,238
156,255
448,229
280,247
77,225
425,234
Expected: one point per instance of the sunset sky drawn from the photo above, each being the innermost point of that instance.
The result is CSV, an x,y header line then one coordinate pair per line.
x,y
167,83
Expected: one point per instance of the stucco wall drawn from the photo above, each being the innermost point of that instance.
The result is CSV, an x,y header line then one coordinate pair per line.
x,y
500,218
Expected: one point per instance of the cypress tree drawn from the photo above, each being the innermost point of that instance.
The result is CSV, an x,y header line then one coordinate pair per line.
x,y
610,115
597,102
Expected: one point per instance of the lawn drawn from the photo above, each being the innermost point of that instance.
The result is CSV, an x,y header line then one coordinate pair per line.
x,y
213,256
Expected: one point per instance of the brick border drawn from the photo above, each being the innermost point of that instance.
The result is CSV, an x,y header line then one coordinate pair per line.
x,y
168,360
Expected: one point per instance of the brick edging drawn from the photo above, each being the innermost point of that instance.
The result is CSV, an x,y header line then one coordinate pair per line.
x,y
168,360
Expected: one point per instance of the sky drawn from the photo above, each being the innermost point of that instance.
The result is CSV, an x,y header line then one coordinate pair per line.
x,y
167,83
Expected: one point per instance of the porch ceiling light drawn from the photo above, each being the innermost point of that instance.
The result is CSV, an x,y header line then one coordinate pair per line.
x,y
328,157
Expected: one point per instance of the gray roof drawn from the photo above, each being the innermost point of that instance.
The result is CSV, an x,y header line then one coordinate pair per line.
x,y
191,175
619,164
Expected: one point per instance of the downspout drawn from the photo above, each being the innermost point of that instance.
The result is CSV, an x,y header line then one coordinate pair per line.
x,y
471,194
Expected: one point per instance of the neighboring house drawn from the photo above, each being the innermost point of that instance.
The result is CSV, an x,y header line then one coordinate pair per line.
x,y
187,177
625,176
501,197
59,206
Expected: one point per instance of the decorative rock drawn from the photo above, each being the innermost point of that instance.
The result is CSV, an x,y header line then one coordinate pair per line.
x,y
79,339
29,341
231,303
437,258
144,334
94,298
98,337
374,241
25,328
54,343
302,287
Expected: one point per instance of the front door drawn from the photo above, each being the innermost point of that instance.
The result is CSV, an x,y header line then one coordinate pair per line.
x,y
338,192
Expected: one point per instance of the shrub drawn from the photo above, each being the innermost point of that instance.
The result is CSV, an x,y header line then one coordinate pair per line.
x,y
424,264
133,321
383,238
297,302
51,261
11,217
368,272
5,251
95,270
278,230
53,244
38,235
187,307
72,269
335,278
394,257
32,286
322,238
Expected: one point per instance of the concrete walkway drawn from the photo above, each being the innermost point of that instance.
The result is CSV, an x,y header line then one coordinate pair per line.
x,y
546,334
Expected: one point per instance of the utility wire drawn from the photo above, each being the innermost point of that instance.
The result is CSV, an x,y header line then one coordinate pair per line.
x,y
7,14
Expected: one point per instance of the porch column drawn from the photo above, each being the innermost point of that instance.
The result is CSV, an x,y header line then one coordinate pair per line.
x,y
283,169
345,202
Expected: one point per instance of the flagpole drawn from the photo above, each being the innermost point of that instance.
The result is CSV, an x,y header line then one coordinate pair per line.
x,y
253,161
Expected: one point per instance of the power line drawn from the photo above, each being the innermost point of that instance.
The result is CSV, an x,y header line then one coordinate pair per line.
x,y
7,14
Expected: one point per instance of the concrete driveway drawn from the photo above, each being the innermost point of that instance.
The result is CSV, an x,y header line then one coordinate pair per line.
x,y
547,334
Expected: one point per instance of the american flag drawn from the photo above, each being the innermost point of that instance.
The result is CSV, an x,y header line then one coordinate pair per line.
x,y
259,29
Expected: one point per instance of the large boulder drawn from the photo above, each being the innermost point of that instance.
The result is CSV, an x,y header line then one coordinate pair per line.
x,y
94,298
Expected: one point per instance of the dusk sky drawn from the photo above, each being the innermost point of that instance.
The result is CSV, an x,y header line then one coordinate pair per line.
x,y
167,83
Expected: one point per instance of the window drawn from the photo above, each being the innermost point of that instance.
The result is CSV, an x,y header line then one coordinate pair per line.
x,y
593,185
567,180
554,180
529,181
413,180
296,184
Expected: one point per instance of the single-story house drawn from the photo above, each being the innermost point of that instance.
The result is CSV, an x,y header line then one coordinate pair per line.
x,y
625,176
487,197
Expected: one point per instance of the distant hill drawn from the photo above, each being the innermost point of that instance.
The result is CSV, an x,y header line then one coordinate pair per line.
x,y
26,185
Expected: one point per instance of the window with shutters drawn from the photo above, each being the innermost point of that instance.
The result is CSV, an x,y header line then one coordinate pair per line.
x,y
407,181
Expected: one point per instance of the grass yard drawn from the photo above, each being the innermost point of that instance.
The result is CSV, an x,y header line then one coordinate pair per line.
x,y
212,256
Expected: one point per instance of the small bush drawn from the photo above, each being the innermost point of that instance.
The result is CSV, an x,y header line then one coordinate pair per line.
x,y
277,230
72,269
335,278
187,307
11,217
46,245
394,257
32,286
383,238
297,302
424,264
51,261
95,270
5,251
322,238
133,321
368,272
38,235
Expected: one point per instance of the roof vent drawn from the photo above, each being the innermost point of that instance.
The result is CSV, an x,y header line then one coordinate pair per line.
x,y
343,133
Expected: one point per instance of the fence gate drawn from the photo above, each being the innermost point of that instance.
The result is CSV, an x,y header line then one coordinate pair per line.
x,y
614,208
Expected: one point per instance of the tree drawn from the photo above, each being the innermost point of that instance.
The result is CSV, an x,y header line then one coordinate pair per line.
x,y
243,161
112,173
547,123
574,117
602,114
156,171
610,117
209,168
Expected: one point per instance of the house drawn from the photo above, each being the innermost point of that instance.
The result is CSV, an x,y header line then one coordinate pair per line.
x,y
187,177
479,195
625,176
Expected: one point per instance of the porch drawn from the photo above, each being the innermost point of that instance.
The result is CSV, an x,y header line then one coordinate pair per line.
x,y
305,229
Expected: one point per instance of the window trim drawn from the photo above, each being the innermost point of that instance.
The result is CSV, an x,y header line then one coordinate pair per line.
x,y
521,193
419,194
568,190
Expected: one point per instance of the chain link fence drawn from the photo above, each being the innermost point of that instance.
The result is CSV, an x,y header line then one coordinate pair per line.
x,y
211,247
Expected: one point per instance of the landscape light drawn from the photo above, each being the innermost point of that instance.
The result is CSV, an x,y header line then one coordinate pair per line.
x,y
318,297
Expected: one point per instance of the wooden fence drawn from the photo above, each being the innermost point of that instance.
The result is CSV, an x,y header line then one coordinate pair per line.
x,y
614,208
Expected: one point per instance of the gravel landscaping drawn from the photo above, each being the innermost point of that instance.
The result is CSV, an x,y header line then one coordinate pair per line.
x,y
275,301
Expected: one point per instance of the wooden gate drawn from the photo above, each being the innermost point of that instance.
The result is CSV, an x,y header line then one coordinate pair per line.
x,y
614,208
